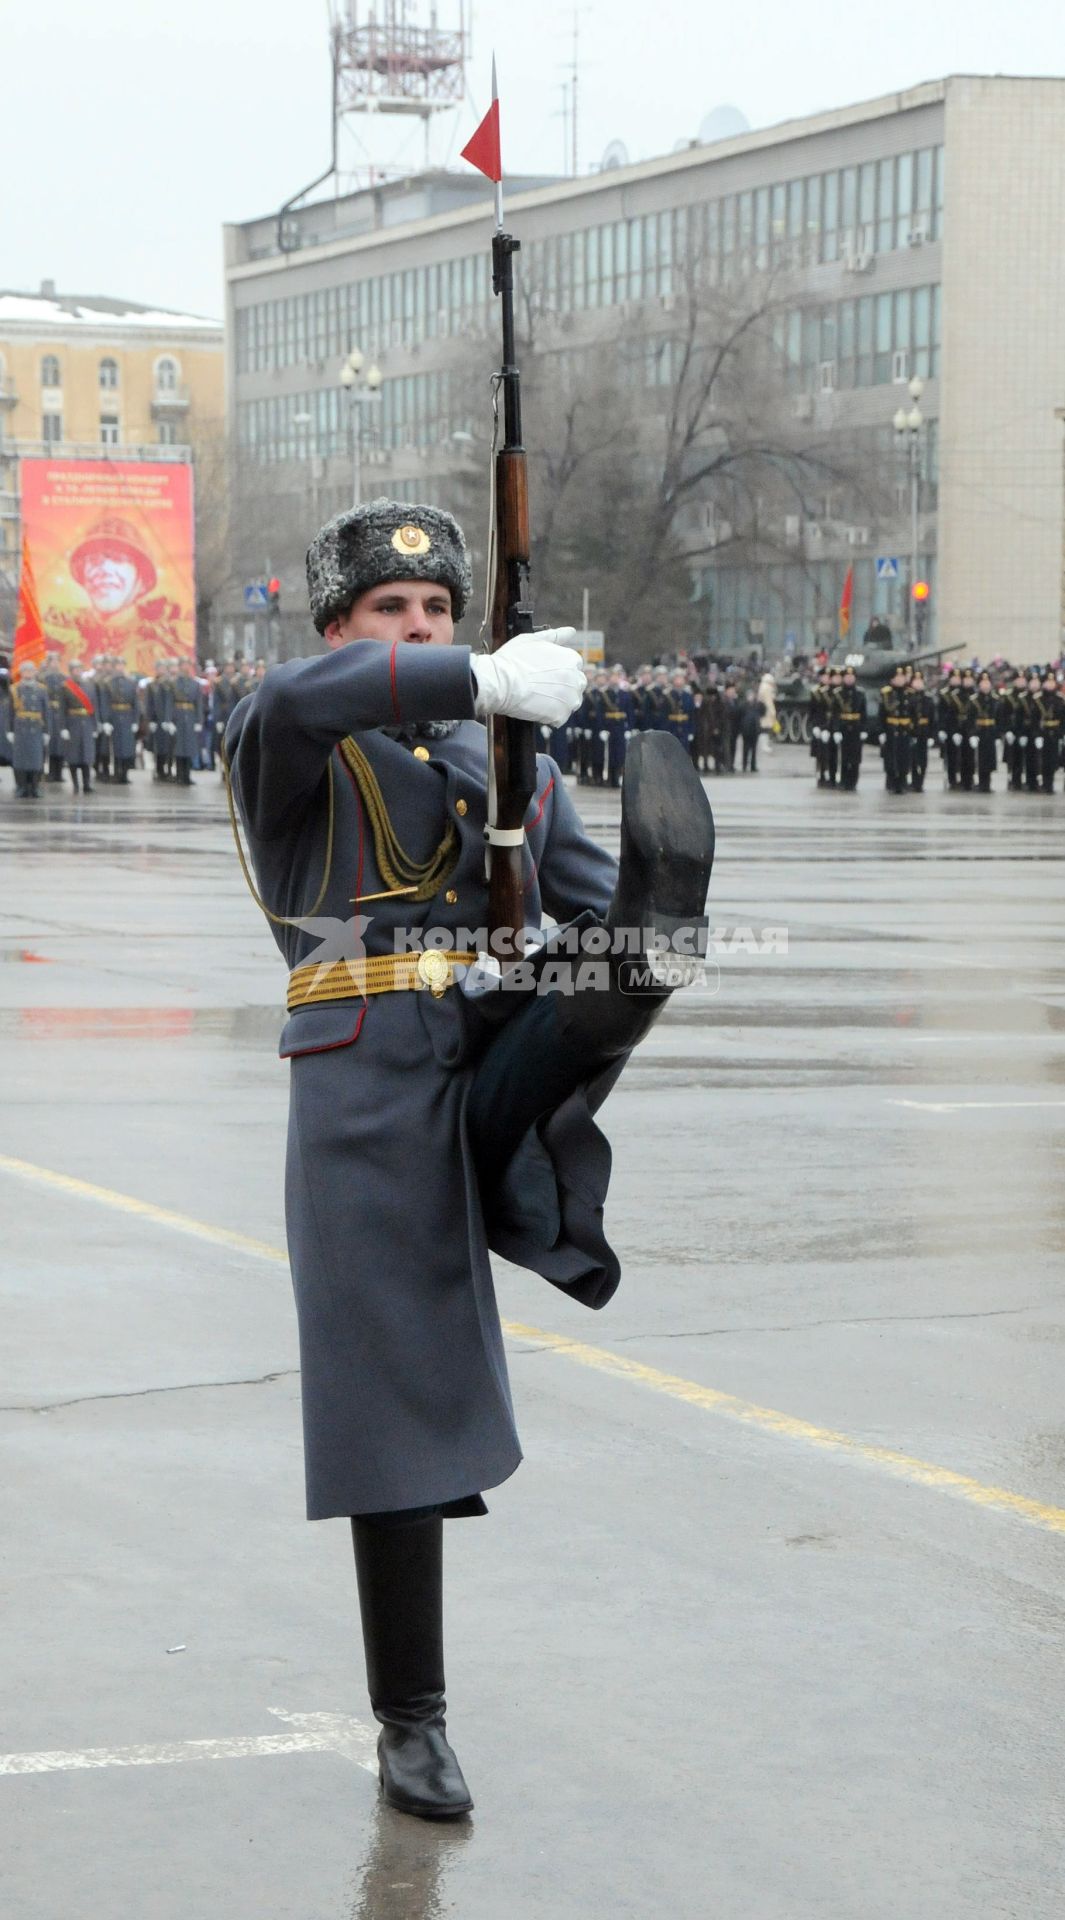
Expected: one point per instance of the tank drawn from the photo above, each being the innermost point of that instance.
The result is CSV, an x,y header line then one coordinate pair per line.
x,y
874,657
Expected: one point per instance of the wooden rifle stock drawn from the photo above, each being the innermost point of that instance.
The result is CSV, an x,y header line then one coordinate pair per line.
x,y
512,742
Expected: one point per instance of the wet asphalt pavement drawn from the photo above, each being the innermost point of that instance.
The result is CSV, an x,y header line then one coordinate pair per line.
x,y
769,1625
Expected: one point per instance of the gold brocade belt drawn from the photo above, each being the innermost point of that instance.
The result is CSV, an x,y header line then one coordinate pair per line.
x,y
313,986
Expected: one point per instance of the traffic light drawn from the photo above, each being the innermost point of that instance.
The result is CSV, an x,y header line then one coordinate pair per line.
x,y
922,593
273,588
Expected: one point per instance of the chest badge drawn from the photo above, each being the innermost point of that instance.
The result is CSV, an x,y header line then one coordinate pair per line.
x,y
411,540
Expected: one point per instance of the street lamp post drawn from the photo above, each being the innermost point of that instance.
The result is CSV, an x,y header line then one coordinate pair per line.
x,y
362,389
908,425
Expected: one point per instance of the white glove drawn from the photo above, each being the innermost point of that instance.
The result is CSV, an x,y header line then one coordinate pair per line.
x,y
956,737
1023,741
10,739
534,677
107,728
865,736
1039,744
587,733
1009,739
837,737
65,735
605,735
974,741
169,726
219,726
942,735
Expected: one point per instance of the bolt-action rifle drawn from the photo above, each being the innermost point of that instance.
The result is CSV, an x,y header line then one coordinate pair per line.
x,y
511,743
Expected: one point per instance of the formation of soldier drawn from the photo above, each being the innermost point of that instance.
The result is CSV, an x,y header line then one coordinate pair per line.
x,y
976,719
710,717
99,725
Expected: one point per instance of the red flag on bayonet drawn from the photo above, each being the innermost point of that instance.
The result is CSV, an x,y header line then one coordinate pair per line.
x,y
29,633
482,151
846,603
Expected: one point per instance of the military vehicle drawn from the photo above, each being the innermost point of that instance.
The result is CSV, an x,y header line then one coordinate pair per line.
x,y
874,657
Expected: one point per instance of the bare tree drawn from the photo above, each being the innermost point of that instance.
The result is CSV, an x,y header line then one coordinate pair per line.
x,y
666,438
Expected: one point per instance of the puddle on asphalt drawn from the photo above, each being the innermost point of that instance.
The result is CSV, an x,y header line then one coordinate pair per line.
x,y
405,1871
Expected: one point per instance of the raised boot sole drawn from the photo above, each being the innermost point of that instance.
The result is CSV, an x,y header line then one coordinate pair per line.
x,y
667,843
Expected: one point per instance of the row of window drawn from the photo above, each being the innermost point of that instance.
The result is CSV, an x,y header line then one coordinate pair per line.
x,y
873,341
109,434
861,343
856,211
788,602
409,412
167,373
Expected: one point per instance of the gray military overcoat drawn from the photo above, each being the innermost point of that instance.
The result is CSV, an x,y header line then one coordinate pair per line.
x,y
119,709
29,723
187,714
79,725
406,1400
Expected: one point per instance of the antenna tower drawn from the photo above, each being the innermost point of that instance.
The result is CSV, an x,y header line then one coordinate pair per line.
x,y
388,61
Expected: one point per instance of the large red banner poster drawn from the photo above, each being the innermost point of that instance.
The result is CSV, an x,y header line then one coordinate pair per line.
x,y
111,544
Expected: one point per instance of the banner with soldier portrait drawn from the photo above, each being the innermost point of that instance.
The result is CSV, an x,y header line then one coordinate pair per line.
x,y
111,545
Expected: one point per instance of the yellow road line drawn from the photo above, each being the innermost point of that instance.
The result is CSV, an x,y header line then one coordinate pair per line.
x,y
901,1466
125,1203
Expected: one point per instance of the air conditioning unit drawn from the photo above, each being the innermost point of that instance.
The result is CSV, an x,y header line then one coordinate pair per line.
x,y
900,366
918,233
815,534
802,406
792,530
858,536
826,379
857,262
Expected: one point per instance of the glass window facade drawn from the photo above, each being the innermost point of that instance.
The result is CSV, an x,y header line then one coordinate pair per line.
x,y
411,412
854,343
878,207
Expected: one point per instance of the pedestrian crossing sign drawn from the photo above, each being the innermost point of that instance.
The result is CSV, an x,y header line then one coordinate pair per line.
x,y
887,568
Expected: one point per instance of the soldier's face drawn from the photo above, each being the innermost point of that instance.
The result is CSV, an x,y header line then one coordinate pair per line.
x,y
111,582
417,612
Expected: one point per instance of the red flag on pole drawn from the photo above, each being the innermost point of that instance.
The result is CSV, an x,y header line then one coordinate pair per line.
x,y
846,603
29,633
483,151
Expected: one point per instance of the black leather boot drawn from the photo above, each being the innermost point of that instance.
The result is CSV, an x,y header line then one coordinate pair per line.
x,y
658,908
400,1575
539,1056
667,846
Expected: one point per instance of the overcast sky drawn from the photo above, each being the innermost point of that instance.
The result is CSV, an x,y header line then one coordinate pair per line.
x,y
132,130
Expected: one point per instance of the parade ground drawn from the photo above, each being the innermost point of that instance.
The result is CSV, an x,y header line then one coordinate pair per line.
x,y
768,1625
